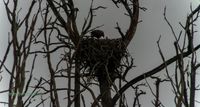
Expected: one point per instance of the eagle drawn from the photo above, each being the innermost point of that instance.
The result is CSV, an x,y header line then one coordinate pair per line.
x,y
97,34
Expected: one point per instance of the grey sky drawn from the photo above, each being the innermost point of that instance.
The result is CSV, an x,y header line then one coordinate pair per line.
x,y
143,46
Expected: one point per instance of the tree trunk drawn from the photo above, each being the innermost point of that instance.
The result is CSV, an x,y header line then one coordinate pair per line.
x,y
105,92
77,85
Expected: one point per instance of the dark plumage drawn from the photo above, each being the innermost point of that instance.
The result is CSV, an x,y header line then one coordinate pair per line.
x,y
97,33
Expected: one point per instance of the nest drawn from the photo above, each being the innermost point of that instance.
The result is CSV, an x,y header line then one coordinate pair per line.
x,y
101,57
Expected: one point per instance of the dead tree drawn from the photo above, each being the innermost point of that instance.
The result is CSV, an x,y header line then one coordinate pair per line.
x,y
20,45
101,56
180,88
84,56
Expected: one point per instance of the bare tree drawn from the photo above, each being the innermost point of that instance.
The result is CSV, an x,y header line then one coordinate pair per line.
x,y
85,61
93,59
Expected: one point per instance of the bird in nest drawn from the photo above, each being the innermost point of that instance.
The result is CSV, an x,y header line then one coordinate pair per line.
x,y
97,34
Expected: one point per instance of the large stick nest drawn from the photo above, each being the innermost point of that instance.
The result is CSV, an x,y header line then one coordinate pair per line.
x,y
101,56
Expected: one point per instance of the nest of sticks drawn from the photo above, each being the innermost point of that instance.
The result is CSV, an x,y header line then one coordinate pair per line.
x,y
101,57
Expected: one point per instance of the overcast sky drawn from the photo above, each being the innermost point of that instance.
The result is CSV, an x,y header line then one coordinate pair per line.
x,y
143,46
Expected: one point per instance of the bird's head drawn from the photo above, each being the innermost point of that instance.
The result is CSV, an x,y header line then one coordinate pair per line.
x,y
97,33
